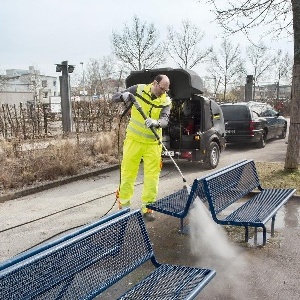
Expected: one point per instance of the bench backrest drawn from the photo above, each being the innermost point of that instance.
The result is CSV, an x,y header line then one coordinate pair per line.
x,y
198,184
82,266
226,187
57,241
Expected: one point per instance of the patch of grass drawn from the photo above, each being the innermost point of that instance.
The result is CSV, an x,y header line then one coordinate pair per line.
x,y
29,164
273,175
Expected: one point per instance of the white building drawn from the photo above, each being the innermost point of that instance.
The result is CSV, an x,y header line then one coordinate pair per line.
x,y
27,86
273,91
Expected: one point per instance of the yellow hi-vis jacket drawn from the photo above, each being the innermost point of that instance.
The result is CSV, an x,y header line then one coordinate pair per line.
x,y
136,128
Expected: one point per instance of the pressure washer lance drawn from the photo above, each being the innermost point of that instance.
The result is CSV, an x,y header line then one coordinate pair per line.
x,y
140,110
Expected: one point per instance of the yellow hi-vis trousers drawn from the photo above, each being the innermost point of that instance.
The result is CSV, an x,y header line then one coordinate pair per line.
x,y
133,152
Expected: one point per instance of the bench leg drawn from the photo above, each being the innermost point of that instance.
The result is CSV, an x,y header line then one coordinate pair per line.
x,y
273,225
264,235
255,236
183,229
246,234
181,225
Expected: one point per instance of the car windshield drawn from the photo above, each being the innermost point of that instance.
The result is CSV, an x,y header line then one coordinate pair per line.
x,y
235,112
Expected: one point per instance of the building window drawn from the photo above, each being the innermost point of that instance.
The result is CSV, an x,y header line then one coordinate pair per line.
x,y
54,83
44,83
45,95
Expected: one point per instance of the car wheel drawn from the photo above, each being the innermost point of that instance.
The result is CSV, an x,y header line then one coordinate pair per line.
x,y
283,133
262,141
212,156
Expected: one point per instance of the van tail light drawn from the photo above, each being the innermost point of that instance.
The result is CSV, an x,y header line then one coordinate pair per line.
x,y
186,154
251,128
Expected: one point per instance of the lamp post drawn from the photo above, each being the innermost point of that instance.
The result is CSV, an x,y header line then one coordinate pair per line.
x,y
65,94
83,81
249,88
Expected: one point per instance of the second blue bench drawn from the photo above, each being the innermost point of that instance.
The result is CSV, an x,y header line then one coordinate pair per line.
x,y
234,185
179,203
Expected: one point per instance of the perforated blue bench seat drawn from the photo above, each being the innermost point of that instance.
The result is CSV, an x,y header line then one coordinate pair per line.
x,y
235,183
87,264
260,208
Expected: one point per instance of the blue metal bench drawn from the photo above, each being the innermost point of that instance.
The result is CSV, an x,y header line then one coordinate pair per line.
x,y
235,183
57,241
88,263
178,204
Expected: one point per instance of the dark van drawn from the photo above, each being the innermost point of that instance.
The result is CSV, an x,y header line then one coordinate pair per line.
x,y
252,122
196,129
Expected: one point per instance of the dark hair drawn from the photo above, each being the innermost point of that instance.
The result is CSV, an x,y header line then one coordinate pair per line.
x,y
158,78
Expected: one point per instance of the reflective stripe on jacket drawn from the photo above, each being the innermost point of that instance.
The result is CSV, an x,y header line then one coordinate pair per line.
x,y
152,108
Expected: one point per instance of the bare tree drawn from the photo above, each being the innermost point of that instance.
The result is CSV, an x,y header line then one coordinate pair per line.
x,y
107,67
261,61
101,77
138,47
284,17
183,45
76,82
227,65
244,15
282,67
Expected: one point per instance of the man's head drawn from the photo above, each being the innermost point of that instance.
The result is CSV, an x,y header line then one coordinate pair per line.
x,y
161,84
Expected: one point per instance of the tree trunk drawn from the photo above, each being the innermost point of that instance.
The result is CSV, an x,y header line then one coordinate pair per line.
x,y
292,154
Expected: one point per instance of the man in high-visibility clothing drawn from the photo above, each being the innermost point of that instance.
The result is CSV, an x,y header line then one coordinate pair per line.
x,y
140,142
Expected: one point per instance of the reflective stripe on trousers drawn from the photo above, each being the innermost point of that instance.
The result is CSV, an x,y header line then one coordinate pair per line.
x,y
133,152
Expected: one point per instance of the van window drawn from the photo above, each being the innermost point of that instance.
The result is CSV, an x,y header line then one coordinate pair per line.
x,y
258,109
235,112
269,113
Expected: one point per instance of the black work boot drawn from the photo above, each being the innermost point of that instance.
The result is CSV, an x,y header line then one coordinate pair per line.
x,y
148,215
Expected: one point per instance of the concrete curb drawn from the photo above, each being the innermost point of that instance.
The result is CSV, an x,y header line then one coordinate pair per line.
x,y
56,183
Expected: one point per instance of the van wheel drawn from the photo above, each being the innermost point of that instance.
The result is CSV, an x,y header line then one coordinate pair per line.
x,y
262,141
212,156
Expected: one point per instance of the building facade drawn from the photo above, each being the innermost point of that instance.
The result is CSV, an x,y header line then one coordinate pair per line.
x,y
27,86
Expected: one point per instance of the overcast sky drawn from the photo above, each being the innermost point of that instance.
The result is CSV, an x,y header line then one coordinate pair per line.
x,y
45,32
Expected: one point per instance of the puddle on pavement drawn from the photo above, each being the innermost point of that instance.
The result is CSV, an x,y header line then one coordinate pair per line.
x,y
287,217
259,241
